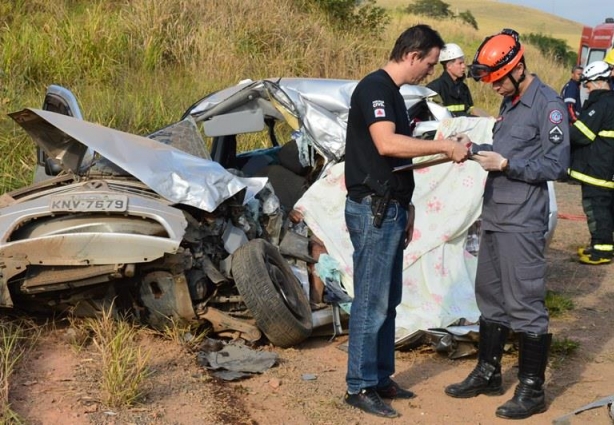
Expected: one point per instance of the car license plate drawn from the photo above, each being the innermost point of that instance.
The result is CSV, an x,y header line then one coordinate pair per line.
x,y
89,202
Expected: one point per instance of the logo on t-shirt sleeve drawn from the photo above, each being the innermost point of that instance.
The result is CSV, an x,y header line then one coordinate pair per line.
x,y
379,109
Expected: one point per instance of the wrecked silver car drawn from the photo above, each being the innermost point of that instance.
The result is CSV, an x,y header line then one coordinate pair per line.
x,y
229,216
162,227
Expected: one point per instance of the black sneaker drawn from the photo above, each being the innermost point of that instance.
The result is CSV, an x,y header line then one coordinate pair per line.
x,y
393,391
369,401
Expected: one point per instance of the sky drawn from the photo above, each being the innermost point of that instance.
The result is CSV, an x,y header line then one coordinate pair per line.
x,y
587,12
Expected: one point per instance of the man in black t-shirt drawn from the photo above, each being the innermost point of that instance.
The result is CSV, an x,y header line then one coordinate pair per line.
x,y
378,213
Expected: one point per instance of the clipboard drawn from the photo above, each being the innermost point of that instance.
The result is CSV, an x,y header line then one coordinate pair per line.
x,y
410,167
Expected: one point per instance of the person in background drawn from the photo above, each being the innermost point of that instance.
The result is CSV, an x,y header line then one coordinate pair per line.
x,y
609,59
530,147
592,162
571,94
450,85
379,215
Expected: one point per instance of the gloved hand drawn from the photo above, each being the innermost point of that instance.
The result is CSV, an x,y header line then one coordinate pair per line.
x,y
490,160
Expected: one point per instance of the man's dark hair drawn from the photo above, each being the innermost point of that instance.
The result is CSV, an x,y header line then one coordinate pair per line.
x,y
419,38
575,68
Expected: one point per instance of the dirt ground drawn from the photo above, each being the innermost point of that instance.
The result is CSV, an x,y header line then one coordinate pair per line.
x,y
57,385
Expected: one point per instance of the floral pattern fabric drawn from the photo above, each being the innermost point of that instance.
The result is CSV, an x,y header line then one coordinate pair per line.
x,y
439,274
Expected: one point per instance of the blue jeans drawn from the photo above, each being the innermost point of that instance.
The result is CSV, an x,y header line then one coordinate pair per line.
x,y
378,282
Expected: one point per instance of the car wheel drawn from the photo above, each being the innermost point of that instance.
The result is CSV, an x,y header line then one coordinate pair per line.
x,y
272,293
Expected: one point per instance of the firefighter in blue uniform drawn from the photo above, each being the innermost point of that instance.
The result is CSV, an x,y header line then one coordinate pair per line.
x,y
530,147
571,94
592,164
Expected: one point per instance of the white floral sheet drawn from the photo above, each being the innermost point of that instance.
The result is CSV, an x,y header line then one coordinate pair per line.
x,y
439,275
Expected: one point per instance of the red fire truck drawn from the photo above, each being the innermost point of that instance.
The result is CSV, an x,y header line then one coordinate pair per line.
x,y
596,42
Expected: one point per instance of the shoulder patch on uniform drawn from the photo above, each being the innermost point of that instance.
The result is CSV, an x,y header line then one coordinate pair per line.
x,y
555,116
555,135
379,110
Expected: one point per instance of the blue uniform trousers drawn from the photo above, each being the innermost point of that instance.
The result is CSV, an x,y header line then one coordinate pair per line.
x,y
510,286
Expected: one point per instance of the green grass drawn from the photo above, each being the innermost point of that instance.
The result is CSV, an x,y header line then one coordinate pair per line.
x,y
564,346
561,349
558,304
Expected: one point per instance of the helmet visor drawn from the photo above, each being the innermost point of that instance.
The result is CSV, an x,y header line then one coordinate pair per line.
x,y
478,71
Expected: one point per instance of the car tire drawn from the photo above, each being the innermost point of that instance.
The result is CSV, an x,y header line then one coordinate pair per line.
x,y
272,293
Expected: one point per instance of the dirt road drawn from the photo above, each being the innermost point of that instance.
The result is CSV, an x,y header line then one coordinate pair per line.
x,y
58,386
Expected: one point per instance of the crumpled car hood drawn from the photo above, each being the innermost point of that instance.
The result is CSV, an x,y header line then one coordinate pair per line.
x,y
177,176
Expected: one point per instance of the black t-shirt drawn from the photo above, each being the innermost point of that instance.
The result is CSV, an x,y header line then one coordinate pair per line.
x,y
375,98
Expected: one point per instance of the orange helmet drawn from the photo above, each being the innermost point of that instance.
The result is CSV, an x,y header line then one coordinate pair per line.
x,y
496,56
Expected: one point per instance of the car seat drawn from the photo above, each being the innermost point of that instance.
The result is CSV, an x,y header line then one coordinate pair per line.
x,y
289,177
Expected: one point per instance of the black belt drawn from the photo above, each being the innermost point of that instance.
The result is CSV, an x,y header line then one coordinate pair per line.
x,y
374,198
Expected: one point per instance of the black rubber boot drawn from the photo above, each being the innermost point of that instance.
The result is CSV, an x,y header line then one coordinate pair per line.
x,y
529,398
486,377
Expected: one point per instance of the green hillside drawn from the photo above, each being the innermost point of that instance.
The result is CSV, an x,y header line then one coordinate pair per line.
x,y
137,65
493,15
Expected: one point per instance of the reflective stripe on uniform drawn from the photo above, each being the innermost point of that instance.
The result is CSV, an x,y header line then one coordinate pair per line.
x,y
456,108
608,184
606,133
585,130
604,247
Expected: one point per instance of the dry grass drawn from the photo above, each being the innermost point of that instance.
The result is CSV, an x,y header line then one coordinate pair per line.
x,y
137,65
493,15
16,340
549,71
123,364
181,332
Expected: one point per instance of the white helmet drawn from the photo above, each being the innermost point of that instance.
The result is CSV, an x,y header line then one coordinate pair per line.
x,y
598,70
450,52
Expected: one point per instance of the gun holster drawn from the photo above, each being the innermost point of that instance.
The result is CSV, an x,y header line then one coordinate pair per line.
x,y
379,205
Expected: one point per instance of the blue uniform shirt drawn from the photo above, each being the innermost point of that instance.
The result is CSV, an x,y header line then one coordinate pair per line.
x,y
571,96
532,132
